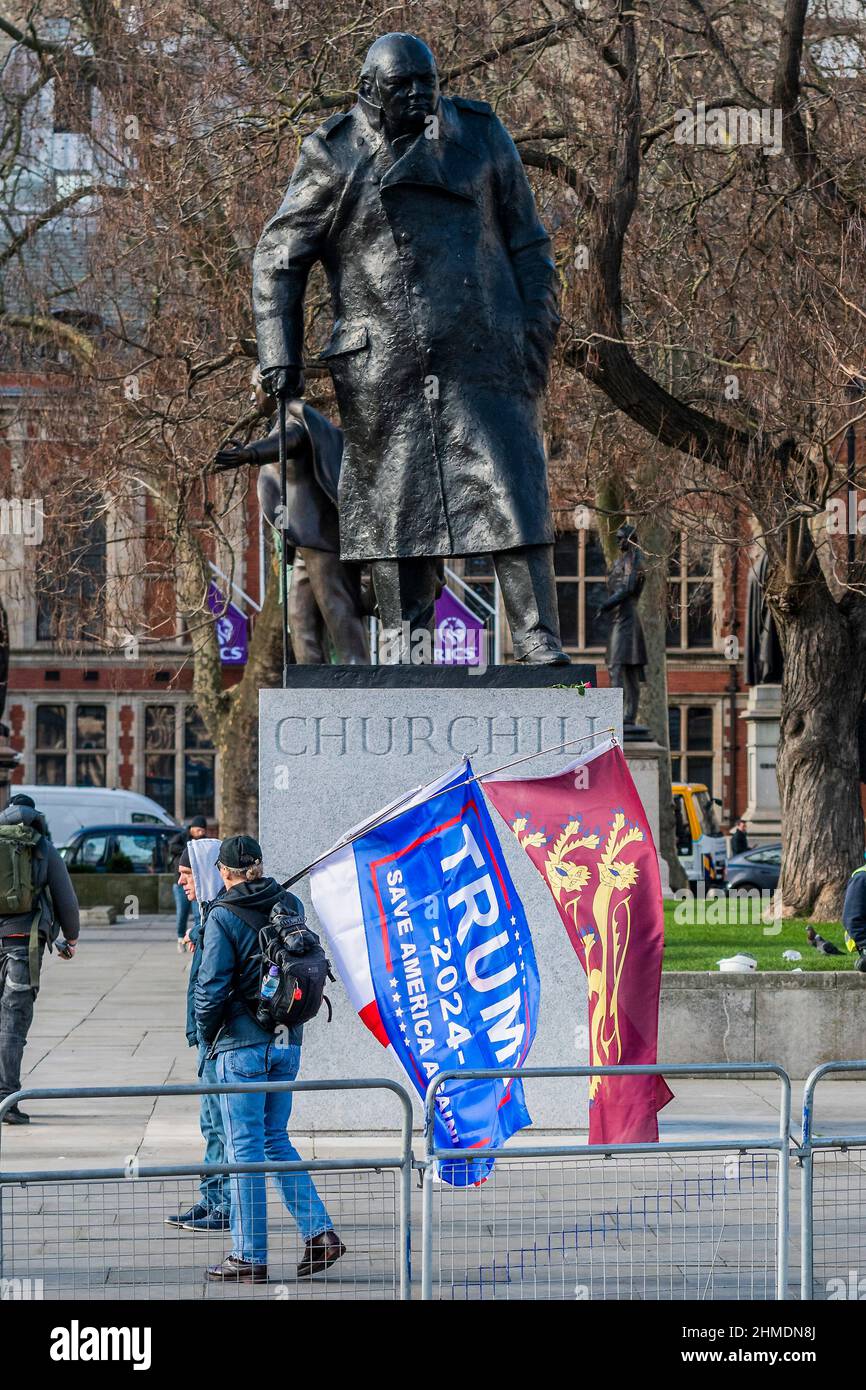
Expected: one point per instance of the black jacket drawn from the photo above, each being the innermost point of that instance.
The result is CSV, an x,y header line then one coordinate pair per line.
x,y
58,905
230,972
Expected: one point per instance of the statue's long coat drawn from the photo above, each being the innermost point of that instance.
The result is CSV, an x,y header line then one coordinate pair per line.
x,y
625,640
442,289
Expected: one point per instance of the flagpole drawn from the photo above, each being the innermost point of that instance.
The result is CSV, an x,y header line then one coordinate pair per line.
x,y
395,810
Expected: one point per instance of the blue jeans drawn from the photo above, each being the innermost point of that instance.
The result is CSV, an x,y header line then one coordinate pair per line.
x,y
256,1128
182,907
214,1190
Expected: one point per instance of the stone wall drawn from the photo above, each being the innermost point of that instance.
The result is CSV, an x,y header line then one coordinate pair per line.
x,y
798,1021
153,891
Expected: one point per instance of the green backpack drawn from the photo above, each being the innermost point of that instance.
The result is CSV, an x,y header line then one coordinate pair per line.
x,y
19,894
18,891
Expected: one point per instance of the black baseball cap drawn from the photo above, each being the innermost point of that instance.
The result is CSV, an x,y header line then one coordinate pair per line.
x,y
22,799
240,852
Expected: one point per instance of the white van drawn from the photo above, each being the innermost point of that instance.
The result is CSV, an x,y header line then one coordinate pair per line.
x,y
69,809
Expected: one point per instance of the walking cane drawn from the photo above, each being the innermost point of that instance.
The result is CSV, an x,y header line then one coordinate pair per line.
x,y
284,507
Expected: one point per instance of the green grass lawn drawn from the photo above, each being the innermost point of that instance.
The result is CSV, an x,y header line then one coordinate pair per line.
x,y
702,945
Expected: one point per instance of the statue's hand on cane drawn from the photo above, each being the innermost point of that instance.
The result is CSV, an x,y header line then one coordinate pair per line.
x,y
283,383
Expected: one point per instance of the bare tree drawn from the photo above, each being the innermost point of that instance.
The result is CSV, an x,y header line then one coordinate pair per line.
x,y
711,288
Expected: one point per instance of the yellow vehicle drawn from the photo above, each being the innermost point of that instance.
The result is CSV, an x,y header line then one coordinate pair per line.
x,y
701,847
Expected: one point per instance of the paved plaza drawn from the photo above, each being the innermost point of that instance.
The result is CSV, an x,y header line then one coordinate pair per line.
x,y
696,1225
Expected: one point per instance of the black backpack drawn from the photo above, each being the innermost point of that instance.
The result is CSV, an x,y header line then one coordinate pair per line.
x,y
303,970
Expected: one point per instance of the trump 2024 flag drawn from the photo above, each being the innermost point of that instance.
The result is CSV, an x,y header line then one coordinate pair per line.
x,y
587,833
431,942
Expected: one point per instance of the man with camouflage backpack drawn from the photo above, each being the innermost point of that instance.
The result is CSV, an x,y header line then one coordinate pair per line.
x,y
37,903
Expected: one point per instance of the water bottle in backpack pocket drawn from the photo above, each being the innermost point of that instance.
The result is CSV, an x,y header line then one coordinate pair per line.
x,y
271,983
295,971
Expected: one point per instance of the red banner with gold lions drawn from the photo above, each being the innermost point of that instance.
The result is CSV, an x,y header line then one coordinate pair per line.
x,y
587,833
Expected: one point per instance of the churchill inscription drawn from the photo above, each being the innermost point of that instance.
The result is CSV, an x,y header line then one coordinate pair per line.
x,y
399,735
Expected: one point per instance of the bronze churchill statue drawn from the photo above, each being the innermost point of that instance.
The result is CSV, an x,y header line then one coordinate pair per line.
x,y
444,306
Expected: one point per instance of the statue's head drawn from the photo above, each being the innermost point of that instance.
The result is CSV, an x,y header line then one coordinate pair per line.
x,y
399,83
626,536
258,395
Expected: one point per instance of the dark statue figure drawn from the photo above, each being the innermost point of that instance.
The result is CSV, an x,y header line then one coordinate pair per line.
x,y
325,603
442,289
763,649
626,656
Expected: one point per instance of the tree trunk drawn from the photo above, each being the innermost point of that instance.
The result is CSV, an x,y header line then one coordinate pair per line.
x,y
238,735
656,540
231,716
823,685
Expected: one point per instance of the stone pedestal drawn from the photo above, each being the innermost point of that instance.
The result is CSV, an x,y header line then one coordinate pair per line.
x,y
644,761
763,814
341,743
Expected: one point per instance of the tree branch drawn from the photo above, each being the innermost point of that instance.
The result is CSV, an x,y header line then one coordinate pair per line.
x,y
795,137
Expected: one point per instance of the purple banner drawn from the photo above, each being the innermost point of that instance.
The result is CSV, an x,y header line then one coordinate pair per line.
x,y
231,629
458,633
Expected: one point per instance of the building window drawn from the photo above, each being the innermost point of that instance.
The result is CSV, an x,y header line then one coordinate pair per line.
x,y
690,594
690,728
90,746
581,589
70,583
199,793
160,741
51,745
73,104
179,777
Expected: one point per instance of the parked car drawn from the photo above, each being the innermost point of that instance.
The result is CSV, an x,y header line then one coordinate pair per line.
x,y
69,809
123,849
756,868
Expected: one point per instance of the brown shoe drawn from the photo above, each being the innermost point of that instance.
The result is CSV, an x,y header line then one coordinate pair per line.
x,y
320,1253
241,1271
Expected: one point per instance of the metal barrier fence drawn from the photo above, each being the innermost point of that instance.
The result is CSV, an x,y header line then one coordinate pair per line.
x,y
688,1220
673,1220
93,1233
833,1201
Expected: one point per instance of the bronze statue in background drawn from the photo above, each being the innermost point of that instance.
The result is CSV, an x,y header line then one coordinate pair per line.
x,y
626,656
